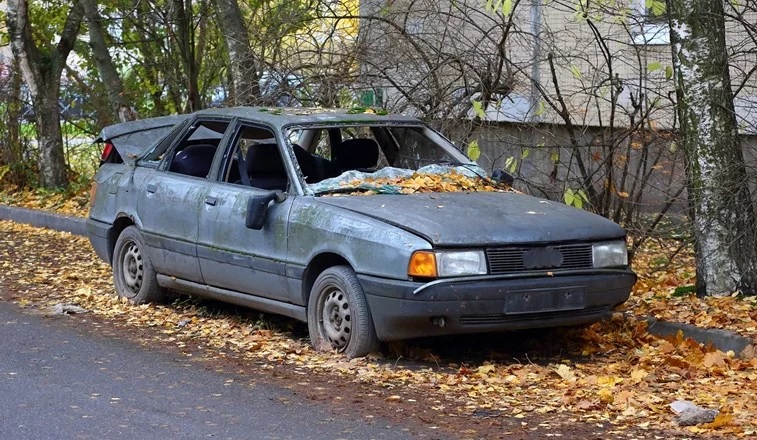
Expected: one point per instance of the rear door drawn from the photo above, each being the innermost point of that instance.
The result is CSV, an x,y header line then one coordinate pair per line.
x,y
231,255
171,196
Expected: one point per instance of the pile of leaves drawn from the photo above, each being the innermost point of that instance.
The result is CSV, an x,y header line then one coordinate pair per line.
x,y
612,374
451,181
665,290
73,202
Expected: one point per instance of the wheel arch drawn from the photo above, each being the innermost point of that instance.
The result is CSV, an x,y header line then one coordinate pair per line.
x,y
316,266
121,223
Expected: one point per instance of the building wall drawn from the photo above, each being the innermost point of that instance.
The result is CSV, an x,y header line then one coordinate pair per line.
x,y
607,80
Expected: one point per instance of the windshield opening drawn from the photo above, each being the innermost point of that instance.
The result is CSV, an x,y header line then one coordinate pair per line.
x,y
387,159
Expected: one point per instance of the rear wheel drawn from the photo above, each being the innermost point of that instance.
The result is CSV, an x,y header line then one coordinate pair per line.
x,y
133,273
338,314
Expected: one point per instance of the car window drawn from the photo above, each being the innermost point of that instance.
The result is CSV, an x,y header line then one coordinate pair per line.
x,y
365,148
254,160
416,150
193,155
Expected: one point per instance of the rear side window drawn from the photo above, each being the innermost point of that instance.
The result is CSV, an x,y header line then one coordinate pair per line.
x,y
193,155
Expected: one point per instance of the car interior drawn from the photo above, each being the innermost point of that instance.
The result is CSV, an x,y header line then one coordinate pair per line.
x,y
321,153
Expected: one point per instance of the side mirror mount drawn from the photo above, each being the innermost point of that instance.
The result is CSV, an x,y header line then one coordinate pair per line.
x,y
257,208
501,176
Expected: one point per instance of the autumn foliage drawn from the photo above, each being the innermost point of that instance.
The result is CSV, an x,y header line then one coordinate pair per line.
x,y
613,372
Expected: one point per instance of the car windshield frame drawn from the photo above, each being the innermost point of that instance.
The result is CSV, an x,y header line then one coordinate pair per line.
x,y
458,160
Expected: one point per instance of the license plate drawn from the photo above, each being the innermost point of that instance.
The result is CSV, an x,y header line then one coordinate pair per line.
x,y
545,300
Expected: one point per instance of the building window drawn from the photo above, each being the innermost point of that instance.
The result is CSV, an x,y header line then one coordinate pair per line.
x,y
650,20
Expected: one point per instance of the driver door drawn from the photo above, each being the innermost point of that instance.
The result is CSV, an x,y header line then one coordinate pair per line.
x,y
232,256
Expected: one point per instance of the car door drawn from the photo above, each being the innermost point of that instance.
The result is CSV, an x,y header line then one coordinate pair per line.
x,y
233,256
171,196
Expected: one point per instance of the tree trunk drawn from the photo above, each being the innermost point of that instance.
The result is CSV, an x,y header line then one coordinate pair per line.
x,y
721,204
52,161
244,68
121,110
183,16
41,68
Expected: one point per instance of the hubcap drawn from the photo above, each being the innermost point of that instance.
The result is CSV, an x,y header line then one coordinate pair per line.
x,y
131,267
336,319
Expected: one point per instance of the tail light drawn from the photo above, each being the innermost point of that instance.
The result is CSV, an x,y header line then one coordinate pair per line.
x,y
106,152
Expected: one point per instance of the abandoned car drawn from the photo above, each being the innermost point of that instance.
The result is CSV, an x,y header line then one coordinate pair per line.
x,y
368,227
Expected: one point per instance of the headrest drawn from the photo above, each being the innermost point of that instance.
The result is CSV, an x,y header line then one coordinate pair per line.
x,y
264,159
195,160
356,153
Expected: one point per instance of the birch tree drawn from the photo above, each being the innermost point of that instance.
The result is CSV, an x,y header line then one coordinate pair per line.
x,y
721,204
243,65
41,66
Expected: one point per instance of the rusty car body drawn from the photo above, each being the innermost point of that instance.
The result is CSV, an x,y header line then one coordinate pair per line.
x,y
268,208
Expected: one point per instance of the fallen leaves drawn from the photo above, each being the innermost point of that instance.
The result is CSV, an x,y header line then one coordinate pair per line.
x,y
612,373
451,181
67,203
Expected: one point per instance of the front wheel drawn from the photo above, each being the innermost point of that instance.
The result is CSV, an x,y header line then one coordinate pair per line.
x,y
133,274
338,314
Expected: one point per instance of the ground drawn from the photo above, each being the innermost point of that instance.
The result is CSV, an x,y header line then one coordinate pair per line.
x,y
609,380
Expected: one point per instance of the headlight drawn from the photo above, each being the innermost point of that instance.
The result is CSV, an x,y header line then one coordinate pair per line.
x,y
609,254
439,264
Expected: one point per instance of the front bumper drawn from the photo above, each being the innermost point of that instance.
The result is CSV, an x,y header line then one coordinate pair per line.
x,y
403,309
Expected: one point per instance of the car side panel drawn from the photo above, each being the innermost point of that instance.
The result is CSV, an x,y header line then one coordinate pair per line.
x,y
370,246
236,258
168,206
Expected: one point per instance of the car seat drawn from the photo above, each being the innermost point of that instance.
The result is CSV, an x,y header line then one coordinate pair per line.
x,y
265,167
307,164
355,154
194,160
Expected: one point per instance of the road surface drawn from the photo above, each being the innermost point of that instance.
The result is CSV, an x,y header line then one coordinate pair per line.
x,y
60,379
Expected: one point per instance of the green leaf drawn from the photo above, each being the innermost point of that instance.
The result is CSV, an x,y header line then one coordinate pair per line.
x,y
582,195
474,152
525,153
539,109
507,7
684,291
657,7
555,156
654,66
576,73
668,72
511,164
478,108
568,196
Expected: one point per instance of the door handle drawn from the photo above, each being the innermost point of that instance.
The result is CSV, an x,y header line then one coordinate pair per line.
x,y
211,201
151,188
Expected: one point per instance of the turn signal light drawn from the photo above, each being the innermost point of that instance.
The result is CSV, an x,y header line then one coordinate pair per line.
x,y
423,265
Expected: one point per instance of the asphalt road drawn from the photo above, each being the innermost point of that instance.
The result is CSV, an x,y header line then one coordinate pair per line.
x,y
60,380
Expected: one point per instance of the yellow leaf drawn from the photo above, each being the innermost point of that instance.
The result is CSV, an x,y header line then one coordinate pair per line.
x,y
605,395
565,372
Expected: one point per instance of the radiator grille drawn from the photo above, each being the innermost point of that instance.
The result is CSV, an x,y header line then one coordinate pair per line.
x,y
510,259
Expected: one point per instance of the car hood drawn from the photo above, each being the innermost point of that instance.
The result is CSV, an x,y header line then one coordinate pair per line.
x,y
133,138
482,218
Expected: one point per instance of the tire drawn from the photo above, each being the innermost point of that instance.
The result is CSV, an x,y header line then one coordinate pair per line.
x,y
133,274
338,314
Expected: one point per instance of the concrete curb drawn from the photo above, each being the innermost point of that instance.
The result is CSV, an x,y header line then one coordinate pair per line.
x,y
723,340
44,219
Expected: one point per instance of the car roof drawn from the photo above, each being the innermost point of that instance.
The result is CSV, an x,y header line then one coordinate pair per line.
x,y
280,116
